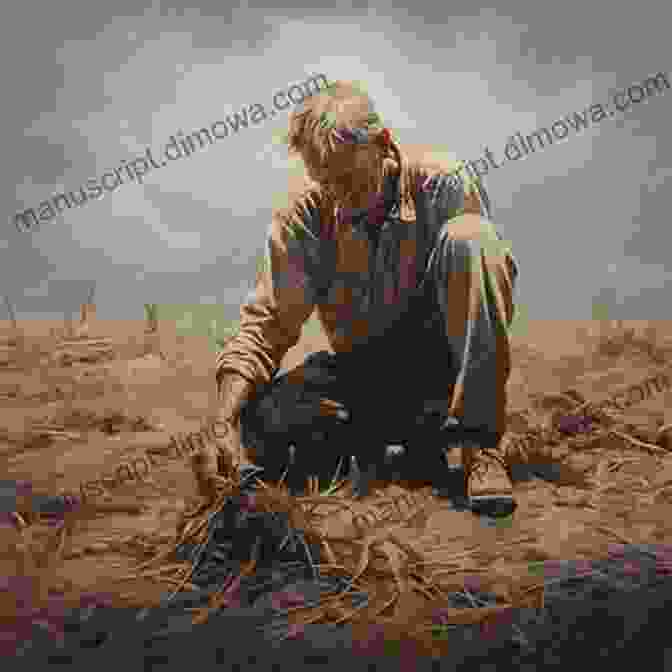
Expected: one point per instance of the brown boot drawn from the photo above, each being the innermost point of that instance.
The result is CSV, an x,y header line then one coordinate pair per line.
x,y
489,486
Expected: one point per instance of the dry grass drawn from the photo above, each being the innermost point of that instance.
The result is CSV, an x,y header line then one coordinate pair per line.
x,y
406,588
618,339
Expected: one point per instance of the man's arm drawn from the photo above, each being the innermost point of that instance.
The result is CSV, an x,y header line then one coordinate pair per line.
x,y
271,320
233,392
284,298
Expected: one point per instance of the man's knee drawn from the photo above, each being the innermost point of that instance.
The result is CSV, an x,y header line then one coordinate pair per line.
x,y
472,235
469,227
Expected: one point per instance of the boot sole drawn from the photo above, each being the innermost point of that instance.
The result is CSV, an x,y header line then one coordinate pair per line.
x,y
493,507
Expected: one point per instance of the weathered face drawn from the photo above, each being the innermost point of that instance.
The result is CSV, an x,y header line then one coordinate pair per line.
x,y
352,169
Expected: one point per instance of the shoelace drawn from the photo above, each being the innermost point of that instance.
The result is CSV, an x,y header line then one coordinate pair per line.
x,y
479,466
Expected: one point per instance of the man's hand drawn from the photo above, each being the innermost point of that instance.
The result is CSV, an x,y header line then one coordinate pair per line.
x,y
222,452
230,452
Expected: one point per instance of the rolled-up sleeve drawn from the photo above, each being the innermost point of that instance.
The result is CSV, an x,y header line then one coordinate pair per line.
x,y
285,295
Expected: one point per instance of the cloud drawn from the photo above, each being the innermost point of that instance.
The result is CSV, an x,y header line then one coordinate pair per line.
x,y
94,89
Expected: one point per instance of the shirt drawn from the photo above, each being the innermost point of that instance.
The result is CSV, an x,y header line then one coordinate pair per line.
x,y
320,256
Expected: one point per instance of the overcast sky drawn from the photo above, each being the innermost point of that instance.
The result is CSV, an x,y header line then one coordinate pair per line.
x,y
86,85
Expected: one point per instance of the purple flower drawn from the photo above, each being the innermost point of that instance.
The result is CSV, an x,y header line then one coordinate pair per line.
x,y
664,551
232,593
248,502
390,294
374,643
376,201
583,567
552,568
617,551
343,216
406,272
71,503
287,599
296,631
295,274
404,650
23,588
24,489
6,519
423,183
54,608
632,568
490,626
664,566
569,424
354,135
90,599
473,583
440,616
9,643
54,520
344,312
663,556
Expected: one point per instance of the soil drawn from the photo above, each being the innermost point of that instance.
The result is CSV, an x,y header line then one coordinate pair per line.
x,y
67,419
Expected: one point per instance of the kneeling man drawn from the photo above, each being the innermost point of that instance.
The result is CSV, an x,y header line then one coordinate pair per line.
x,y
396,250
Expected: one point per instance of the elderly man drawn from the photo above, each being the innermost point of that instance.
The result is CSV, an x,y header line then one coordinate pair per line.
x,y
396,250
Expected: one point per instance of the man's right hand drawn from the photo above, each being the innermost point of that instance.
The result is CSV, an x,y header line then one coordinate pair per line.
x,y
230,451
233,392
222,451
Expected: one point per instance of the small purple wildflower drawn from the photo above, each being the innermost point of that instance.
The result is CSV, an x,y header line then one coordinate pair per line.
x,y
490,626
404,650
232,593
440,616
617,551
569,424
6,519
248,502
663,554
90,599
9,643
552,568
390,295
664,566
406,272
631,568
24,489
583,567
374,643
296,631
423,183
473,583
287,599
53,520
23,587
664,551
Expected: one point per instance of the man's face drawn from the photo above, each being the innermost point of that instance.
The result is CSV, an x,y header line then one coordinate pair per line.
x,y
352,168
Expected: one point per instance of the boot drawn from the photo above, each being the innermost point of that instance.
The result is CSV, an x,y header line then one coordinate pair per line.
x,y
489,487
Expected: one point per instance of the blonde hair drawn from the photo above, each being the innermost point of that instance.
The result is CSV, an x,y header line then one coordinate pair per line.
x,y
343,105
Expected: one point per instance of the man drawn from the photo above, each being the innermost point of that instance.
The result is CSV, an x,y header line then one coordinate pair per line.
x,y
413,287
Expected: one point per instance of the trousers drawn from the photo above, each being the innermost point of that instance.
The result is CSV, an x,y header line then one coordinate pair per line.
x,y
445,359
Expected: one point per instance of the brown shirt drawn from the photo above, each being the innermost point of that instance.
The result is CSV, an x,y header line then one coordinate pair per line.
x,y
318,255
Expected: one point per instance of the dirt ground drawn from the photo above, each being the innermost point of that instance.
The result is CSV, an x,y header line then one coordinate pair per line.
x,y
65,421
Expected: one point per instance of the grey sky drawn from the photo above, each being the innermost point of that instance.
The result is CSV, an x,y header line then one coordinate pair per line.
x,y
87,85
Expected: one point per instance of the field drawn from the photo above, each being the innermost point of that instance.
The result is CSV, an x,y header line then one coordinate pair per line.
x,y
72,409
